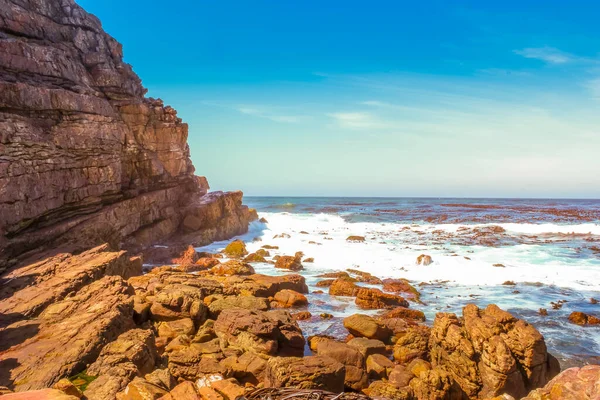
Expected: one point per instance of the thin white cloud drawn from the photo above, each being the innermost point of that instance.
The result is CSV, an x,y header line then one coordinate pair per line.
x,y
547,54
270,114
358,120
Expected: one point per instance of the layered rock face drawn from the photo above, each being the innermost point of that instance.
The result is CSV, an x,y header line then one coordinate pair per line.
x,y
85,158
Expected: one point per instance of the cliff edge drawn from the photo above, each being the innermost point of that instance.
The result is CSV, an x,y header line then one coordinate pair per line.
x,y
85,158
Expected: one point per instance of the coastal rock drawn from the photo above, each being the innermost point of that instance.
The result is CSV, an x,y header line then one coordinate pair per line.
x,y
580,318
235,249
572,384
263,285
373,299
44,394
424,259
355,238
96,315
231,267
398,286
312,372
367,347
343,287
133,353
356,376
361,325
255,257
379,366
29,289
87,159
411,344
289,262
244,302
290,298
490,352
404,313
268,333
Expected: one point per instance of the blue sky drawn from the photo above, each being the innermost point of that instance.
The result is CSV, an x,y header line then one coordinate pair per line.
x,y
379,98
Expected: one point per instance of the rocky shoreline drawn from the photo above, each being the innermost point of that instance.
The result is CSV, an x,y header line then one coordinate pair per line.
x,y
207,326
103,294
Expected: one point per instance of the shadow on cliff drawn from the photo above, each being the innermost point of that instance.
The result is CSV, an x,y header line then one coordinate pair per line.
x,y
18,333
6,366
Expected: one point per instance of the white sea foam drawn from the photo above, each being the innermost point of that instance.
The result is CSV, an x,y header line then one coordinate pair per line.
x,y
386,255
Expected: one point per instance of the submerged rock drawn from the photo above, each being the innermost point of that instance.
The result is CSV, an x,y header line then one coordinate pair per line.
x,y
424,259
580,318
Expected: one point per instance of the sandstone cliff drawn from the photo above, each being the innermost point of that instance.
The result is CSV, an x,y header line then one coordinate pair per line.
x,y
85,158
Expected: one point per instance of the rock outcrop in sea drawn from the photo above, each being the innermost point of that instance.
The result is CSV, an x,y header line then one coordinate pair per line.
x,y
85,158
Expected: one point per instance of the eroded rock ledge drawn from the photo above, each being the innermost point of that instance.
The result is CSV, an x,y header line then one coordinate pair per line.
x,y
85,158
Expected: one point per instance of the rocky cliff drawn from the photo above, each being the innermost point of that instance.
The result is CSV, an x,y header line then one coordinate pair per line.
x,y
85,158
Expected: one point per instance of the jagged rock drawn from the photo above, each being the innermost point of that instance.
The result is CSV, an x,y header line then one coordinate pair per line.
x,y
403,313
96,315
178,301
247,368
227,388
172,329
491,352
193,361
133,353
401,286
571,384
343,287
184,391
356,376
269,333
373,299
290,263
361,325
385,390
263,285
411,344
365,277
312,372
579,318
231,267
161,378
141,389
379,366
436,384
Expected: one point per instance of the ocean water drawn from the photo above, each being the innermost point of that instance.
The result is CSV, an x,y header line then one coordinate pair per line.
x,y
549,249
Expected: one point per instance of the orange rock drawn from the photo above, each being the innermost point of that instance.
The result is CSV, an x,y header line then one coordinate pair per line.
x,y
290,298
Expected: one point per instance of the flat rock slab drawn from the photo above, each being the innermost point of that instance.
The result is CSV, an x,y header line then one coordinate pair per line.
x,y
67,336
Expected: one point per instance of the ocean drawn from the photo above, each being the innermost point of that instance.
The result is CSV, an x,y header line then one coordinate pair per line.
x,y
521,254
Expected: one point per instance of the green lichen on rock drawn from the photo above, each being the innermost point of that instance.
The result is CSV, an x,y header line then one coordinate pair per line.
x,y
237,249
82,380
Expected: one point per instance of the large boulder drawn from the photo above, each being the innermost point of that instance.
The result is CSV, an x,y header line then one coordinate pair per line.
x,y
572,384
263,285
361,325
290,298
269,333
356,376
490,352
312,372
